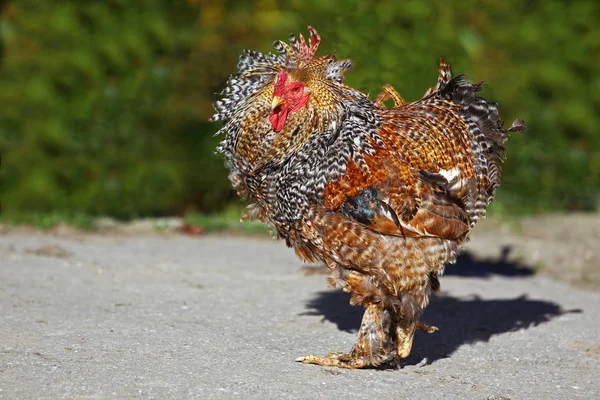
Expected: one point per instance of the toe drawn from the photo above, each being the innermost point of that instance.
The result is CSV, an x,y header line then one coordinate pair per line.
x,y
340,360
427,328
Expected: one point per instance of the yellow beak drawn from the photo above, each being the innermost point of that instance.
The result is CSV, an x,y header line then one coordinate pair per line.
x,y
277,101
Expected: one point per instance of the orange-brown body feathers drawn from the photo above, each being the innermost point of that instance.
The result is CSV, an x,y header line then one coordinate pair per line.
x,y
383,196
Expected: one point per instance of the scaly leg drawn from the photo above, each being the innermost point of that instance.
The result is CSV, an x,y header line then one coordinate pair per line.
x,y
374,346
389,93
406,334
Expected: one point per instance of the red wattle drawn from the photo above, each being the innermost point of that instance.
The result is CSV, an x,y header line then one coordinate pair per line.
x,y
278,119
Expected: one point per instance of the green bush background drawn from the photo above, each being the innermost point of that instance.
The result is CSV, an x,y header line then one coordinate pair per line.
x,y
104,104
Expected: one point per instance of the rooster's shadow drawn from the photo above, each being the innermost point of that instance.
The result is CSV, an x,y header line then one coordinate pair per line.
x,y
462,320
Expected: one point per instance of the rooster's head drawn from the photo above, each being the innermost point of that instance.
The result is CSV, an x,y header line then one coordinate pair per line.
x,y
276,103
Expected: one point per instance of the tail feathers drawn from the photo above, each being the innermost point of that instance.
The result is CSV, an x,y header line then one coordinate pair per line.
x,y
518,125
444,77
483,120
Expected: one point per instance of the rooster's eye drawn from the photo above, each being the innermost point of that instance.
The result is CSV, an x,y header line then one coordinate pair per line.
x,y
296,89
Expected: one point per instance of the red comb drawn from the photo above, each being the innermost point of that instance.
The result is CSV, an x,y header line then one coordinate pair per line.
x,y
305,51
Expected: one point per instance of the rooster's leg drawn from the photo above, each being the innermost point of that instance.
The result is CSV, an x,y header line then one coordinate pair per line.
x,y
389,93
374,347
406,333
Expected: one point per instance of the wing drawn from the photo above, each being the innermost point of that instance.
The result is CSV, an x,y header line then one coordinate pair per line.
x,y
424,205
412,184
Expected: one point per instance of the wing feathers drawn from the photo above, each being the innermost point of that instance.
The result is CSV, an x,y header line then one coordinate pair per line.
x,y
439,213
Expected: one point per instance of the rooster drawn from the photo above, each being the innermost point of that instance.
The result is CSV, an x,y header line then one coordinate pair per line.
x,y
384,196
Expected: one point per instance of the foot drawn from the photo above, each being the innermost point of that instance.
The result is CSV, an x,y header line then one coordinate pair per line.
x,y
341,360
422,326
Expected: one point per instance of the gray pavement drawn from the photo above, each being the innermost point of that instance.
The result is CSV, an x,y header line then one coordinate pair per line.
x,y
92,316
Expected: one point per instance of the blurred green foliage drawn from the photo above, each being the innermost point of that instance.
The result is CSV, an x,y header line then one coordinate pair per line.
x,y
226,221
104,104
47,220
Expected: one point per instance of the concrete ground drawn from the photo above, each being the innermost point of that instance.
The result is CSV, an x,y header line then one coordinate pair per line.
x,y
151,316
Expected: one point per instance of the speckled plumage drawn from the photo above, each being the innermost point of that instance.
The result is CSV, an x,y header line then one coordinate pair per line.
x,y
383,196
